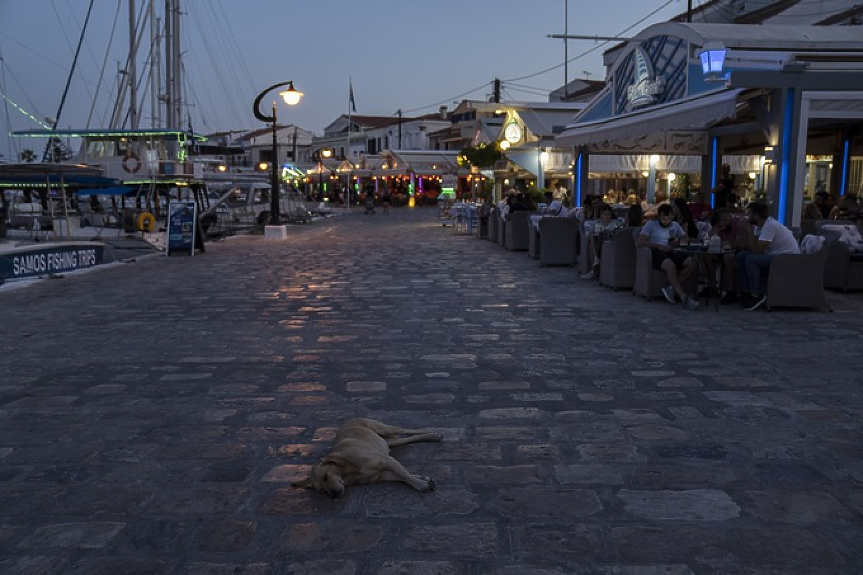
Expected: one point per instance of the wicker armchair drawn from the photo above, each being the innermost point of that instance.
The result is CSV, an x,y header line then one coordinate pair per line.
x,y
558,241
534,242
617,266
648,282
517,231
843,269
493,223
797,280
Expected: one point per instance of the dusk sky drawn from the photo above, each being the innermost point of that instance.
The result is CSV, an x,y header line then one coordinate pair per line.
x,y
400,54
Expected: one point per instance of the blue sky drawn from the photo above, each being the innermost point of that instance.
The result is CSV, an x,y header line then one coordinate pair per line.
x,y
399,54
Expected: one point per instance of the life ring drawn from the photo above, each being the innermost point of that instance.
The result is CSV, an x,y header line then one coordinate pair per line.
x,y
131,162
146,222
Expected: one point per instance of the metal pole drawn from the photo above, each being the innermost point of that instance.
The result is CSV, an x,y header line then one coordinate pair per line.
x,y
274,176
566,52
321,181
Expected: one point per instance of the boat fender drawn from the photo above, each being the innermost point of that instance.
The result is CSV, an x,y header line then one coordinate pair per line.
x,y
146,222
131,162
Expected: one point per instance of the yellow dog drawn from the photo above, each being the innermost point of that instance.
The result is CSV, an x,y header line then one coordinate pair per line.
x,y
361,455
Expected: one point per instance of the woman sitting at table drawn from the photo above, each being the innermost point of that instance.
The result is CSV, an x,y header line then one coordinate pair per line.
x,y
554,207
599,231
683,216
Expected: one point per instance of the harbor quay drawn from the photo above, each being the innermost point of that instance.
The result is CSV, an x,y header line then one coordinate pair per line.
x,y
155,412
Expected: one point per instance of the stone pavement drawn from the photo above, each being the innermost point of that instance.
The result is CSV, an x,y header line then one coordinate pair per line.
x,y
153,414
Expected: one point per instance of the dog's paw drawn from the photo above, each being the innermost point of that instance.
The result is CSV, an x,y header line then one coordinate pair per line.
x,y
430,484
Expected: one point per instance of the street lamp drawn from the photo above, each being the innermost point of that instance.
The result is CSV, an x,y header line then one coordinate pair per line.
x,y
291,96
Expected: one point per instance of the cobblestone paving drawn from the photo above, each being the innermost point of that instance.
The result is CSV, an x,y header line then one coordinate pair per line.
x,y
153,415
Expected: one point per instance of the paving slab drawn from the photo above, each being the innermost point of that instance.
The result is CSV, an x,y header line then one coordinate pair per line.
x,y
154,414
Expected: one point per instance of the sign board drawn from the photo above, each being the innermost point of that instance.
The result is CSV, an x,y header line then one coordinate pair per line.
x,y
33,261
184,234
449,181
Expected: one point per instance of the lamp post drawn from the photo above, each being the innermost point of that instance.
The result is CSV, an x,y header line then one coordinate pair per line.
x,y
292,97
318,156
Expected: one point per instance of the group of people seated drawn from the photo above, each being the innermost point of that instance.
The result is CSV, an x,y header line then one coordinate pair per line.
x,y
750,239
823,207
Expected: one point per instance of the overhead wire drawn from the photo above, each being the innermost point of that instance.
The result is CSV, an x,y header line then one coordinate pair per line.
x,y
223,54
593,49
447,100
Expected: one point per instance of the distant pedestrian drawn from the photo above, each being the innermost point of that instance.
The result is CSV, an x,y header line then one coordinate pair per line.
x,y
723,188
387,201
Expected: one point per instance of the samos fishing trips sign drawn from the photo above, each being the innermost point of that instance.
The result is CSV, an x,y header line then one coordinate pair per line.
x,y
32,261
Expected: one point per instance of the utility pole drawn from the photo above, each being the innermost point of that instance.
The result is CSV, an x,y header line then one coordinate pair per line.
x,y
400,128
496,97
689,11
566,51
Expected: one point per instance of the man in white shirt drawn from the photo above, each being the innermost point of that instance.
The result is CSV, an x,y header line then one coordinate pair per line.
x,y
754,262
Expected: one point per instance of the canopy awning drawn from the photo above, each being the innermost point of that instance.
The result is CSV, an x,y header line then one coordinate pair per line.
x,y
679,127
115,191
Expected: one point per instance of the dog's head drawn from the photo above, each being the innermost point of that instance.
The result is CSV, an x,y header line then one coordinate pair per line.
x,y
324,477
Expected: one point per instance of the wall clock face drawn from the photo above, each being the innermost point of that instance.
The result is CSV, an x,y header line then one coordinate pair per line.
x,y
512,133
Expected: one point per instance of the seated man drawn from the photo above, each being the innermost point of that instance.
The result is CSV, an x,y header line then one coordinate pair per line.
x,y
818,208
662,235
754,261
848,208
599,231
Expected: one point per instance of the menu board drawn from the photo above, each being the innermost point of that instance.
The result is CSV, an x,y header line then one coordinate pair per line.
x,y
182,230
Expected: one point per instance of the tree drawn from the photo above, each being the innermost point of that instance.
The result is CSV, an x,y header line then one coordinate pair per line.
x,y
28,156
481,156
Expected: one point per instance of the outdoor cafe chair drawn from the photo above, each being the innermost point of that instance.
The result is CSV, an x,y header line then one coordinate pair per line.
x,y
617,265
797,280
558,241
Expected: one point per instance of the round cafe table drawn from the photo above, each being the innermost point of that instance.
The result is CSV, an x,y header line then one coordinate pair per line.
x,y
706,263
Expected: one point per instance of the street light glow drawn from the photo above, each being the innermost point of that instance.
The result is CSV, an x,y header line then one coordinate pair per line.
x,y
291,96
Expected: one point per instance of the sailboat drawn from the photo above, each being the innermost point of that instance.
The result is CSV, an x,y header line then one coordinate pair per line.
x,y
142,168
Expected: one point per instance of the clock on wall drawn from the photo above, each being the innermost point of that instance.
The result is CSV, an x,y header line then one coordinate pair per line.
x,y
512,132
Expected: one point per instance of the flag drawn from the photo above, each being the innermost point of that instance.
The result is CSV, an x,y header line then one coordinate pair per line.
x,y
353,104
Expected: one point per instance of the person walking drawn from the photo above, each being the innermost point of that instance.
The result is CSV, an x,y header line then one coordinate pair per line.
x,y
386,201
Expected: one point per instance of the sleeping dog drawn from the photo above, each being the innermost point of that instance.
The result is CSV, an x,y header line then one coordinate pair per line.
x,y
361,454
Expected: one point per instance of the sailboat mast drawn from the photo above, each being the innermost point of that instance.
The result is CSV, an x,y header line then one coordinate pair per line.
x,y
132,76
169,63
155,62
177,100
